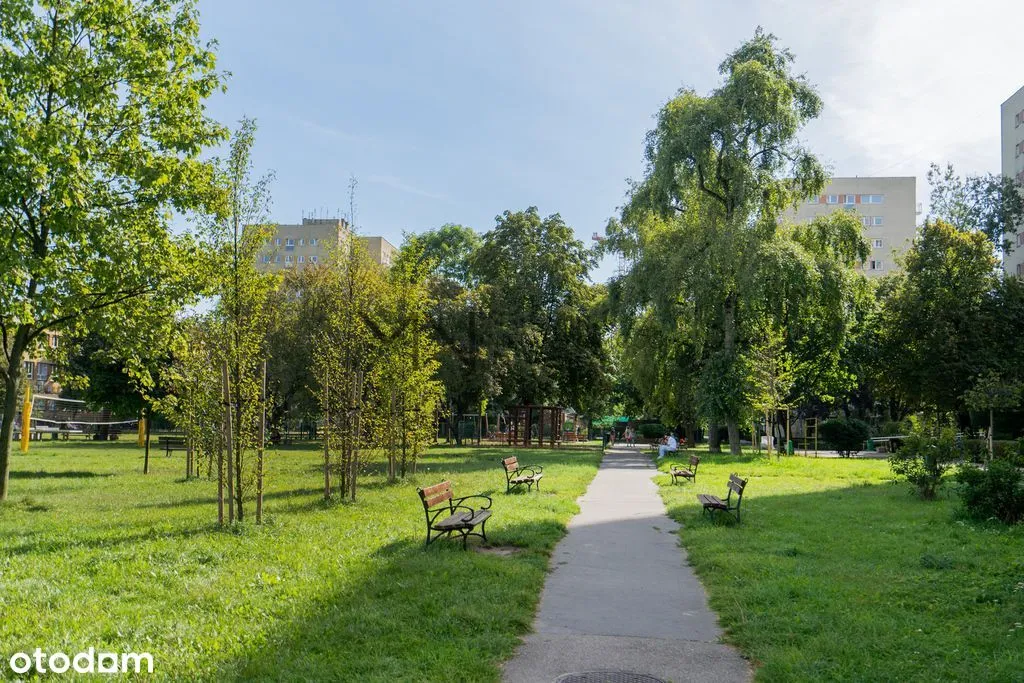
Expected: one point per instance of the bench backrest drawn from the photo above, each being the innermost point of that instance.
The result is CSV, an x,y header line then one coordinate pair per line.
x,y
736,485
433,496
694,461
511,464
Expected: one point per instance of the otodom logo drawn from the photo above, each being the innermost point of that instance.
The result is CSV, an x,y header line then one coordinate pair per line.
x,y
88,662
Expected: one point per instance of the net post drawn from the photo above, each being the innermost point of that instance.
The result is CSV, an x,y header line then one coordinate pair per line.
x,y
26,418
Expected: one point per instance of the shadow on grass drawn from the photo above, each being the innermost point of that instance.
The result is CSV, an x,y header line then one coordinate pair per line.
x,y
414,613
65,474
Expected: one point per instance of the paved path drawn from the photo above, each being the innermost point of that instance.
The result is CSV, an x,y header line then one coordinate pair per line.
x,y
620,595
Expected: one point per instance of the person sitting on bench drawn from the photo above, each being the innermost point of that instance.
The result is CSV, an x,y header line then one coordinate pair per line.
x,y
669,446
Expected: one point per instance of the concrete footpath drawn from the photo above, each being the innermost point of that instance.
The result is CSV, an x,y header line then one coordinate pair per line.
x,y
620,595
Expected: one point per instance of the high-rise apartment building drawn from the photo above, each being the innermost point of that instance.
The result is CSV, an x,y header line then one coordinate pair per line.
x,y
887,207
313,241
1012,138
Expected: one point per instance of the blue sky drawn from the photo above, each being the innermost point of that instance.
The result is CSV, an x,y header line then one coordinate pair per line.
x,y
455,111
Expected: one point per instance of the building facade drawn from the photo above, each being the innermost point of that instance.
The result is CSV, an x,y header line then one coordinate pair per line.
x,y
887,207
313,241
1011,135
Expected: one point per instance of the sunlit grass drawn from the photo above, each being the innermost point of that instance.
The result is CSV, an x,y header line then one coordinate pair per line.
x,y
95,554
837,573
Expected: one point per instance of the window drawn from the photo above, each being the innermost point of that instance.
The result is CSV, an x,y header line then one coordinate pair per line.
x,y
288,258
289,242
29,367
312,259
872,198
44,372
54,341
878,244
833,199
851,199
814,200
876,220
277,259
277,242
1020,269
1020,238
302,259
866,220
266,258
312,241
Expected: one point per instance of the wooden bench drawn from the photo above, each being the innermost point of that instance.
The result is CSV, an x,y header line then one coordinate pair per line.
x,y
461,518
690,473
517,475
714,503
169,444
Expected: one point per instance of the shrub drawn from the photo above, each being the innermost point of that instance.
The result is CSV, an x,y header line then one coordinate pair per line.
x,y
922,460
893,428
652,430
996,492
845,435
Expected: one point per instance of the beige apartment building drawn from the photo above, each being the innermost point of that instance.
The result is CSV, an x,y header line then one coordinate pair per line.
x,y
1012,138
312,241
887,207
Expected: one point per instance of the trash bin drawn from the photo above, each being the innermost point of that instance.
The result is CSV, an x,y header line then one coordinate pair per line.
x,y
789,447
870,445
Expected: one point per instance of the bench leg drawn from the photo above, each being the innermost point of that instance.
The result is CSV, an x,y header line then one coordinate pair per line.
x,y
538,485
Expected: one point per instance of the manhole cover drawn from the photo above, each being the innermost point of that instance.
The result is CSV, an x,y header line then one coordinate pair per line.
x,y
607,677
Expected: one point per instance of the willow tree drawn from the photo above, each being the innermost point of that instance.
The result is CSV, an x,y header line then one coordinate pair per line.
x,y
102,129
721,169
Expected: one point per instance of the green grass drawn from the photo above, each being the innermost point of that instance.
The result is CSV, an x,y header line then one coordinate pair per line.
x,y
94,554
837,573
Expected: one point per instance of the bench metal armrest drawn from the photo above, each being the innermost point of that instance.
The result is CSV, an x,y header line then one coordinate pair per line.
x,y
533,470
457,502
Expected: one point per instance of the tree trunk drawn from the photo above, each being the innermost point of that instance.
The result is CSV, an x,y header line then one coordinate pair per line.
x,y
228,444
714,443
734,435
729,345
145,459
10,406
260,445
990,431
327,437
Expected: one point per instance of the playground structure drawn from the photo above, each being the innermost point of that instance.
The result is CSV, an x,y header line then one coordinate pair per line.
x,y
529,425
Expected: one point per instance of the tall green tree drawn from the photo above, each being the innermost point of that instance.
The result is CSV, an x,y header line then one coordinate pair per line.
x,y
102,128
721,169
533,276
989,203
933,339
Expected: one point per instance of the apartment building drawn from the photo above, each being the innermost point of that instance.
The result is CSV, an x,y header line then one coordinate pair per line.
x,y
887,207
312,241
1011,129
40,368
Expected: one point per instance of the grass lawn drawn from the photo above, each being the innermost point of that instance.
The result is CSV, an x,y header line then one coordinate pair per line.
x,y
836,573
94,554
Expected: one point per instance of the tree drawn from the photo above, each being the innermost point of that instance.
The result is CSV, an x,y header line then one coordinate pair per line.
x,y
770,376
992,204
932,336
533,282
845,434
102,128
235,238
720,170
992,392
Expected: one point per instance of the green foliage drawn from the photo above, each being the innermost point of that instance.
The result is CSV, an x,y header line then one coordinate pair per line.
x,y
652,430
991,204
99,142
894,428
845,434
924,458
547,342
932,334
995,492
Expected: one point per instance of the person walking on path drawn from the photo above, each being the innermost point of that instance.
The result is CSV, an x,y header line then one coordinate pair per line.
x,y
630,437
669,446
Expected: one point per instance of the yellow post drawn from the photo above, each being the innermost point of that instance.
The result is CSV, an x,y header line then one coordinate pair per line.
x,y
142,432
26,418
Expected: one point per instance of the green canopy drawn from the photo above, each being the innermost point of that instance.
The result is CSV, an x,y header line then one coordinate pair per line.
x,y
609,420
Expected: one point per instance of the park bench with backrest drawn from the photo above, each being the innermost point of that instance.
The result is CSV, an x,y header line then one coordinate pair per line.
x,y
447,515
169,444
715,504
685,473
516,475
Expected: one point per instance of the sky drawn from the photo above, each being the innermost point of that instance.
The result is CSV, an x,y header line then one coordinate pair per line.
x,y
453,112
